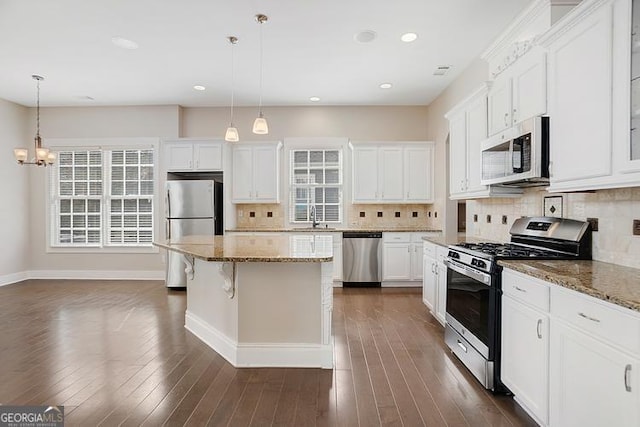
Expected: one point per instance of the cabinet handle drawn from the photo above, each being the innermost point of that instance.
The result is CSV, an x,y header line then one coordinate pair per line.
x,y
538,328
462,346
257,195
432,268
627,371
593,319
407,194
408,248
520,289
190,164
197,164
506,123
513,116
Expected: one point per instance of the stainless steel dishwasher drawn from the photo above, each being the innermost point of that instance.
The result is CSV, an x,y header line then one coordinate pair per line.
x,y
361,252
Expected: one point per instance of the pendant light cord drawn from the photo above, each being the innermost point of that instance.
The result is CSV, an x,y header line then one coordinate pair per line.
x,y
260,101
232,82
38,110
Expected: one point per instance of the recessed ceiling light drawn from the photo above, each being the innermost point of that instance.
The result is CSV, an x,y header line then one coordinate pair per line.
x,y
386,86
124,43
314,99
198,87
366,36
409,37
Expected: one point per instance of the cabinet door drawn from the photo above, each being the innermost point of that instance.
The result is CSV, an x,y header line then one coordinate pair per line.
x,y
429,282
457,154
416,261
441,292
396,261
241,189
476,133
365,174
179,157
592,384
580,100
525,356
337,258
529,86
418,170
265,174
391,174
207,156
499,104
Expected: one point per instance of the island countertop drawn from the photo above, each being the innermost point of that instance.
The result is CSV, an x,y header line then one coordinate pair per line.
x,y
238,248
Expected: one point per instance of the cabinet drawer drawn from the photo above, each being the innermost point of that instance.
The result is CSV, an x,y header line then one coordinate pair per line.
x,y
396,237
417,237
525,289
597,318
429,249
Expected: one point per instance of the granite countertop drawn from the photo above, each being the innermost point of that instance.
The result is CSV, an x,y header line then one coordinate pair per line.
x,y
441,240
333,230
609,282
276,248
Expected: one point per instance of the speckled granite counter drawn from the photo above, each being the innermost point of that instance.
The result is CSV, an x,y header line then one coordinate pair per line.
x,y
235,248
441,240
332,230
609,282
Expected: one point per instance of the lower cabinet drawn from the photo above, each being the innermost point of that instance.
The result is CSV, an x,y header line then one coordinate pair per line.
x,y
337,257
402,259
569,359
434,280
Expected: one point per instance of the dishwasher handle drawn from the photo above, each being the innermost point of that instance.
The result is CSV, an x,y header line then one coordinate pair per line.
x,y
362,235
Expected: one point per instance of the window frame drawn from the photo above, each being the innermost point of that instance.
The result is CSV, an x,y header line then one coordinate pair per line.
x,y
311,144
105,145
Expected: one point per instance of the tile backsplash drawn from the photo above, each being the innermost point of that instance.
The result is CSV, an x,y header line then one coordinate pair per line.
x,y
273,216
614,209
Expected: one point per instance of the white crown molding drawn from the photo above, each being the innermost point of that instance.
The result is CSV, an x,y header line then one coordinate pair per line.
x,y
570,20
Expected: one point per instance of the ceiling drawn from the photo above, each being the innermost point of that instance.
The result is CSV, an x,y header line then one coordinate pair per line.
x,y
308,46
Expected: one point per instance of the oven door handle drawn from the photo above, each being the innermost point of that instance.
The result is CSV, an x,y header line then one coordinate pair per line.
x,y
469,272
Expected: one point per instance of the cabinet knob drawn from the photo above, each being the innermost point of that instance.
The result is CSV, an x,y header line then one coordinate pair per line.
x,y
506,115
513,115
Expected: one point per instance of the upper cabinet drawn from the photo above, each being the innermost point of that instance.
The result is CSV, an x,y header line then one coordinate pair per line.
x,y
193,155
593,142
255,173
467,129
393,172
519,92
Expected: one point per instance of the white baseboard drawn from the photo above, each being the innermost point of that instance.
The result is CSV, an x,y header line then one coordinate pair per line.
x,y
401,284
8,279
285,355
81,275
97,274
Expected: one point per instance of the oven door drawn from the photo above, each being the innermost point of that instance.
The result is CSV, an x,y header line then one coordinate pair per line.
x,y
471,306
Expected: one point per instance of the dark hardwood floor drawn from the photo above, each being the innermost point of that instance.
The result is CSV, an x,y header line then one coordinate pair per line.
x,y
116,353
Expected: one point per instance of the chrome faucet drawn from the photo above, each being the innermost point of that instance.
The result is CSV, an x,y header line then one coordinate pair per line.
x,y
314,223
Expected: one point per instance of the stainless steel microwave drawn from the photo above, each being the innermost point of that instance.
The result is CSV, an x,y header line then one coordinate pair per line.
x,y
519,156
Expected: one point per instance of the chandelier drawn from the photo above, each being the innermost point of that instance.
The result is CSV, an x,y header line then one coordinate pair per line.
x,y
43,156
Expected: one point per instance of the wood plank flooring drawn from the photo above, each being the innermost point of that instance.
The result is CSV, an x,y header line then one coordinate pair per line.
x,y
116,353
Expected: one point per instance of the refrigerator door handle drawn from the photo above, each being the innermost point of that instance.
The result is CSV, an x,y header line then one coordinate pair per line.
x,y
167,207
167,230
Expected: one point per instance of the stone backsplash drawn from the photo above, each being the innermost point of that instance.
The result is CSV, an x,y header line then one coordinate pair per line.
x,y
365,215
615,211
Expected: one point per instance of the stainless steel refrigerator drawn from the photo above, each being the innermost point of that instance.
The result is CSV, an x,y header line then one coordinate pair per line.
x,y
193,207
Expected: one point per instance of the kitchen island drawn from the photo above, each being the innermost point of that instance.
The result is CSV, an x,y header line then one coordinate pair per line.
x,y
260,300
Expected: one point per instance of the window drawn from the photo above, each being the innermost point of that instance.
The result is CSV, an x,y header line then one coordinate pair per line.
x,y
315,185
102,198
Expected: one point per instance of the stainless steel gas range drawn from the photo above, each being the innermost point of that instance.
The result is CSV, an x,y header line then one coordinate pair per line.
x,y
474,287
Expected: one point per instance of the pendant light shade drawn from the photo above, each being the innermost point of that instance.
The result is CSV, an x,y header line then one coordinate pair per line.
x,y
260,125
231,135
43,156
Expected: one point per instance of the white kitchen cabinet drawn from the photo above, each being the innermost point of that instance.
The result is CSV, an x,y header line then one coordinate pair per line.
x,y
519,93
392,172
525,342
418,173
255,173
467,130
192,156
434,281
402,258
592,384
589,59
337,257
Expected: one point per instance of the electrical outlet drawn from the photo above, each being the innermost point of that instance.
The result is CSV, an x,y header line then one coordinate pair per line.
x,y
636,227
594,223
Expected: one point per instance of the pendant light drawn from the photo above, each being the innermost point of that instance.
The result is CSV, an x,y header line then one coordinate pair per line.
x,y
43,156
260,126
232,133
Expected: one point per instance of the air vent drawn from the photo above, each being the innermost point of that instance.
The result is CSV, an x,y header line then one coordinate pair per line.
x,y
441,70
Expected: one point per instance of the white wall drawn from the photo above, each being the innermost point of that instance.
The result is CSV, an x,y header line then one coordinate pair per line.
x,y
14,188
93,122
